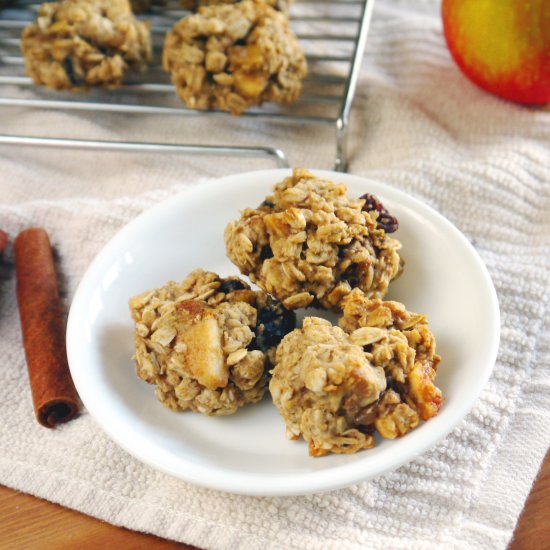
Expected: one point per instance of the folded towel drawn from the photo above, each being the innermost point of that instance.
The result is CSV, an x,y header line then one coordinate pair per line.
x,y
417,124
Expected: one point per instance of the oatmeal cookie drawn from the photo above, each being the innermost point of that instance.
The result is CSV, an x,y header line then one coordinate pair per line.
x,y
337,386
75,44
320,375
309,244
233,56
207,342
402,342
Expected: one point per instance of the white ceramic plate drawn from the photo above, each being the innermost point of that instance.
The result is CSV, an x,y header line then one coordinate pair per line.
x,y
247,452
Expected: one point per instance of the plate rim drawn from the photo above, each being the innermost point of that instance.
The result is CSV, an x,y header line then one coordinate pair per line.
x,y
284,485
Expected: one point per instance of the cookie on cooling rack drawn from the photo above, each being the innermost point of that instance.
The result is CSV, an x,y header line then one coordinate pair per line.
x,y
75,44
208,342
233,56
310,244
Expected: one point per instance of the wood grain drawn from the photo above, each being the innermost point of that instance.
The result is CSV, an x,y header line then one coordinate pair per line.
x,y
533,529
31,523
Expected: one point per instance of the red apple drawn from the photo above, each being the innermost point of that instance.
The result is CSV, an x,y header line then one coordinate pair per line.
x,y
502,45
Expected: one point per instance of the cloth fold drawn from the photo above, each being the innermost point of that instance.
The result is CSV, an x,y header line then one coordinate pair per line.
x,y
417,124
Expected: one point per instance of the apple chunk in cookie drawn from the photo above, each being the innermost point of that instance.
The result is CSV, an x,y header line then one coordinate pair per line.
x,y
207,343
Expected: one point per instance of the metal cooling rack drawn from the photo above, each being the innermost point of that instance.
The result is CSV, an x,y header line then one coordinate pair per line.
x,y
332,32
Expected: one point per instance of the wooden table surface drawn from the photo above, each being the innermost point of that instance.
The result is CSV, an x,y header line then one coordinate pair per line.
x,y
27,522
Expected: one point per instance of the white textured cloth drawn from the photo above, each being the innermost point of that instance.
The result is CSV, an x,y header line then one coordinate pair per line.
x,y
419,125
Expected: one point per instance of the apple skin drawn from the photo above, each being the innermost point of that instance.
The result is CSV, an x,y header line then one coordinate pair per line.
x,y
502,45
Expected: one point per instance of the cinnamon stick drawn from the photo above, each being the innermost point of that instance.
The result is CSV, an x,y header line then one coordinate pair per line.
x,y
42,323
3,241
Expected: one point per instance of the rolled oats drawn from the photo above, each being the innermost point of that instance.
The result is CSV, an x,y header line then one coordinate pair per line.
x,y
207,342
75,44
308,243
233,56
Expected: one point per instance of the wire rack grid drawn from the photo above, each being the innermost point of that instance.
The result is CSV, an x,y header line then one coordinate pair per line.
x,y
333,33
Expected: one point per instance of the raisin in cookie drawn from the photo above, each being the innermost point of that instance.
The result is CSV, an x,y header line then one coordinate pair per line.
x,y
233,56
402,342
309,244
320,374
207,343
75,44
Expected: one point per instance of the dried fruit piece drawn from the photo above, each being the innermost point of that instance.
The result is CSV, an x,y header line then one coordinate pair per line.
x,y
204,355
385,220
273,323
232,284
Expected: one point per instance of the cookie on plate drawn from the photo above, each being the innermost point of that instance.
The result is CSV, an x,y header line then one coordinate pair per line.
x,y
75,44
310,244
337,386
233,56
208,342
319,375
